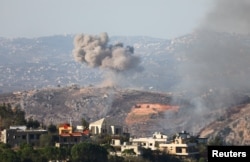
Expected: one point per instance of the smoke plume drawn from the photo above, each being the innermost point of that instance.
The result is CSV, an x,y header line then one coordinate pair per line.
x,y
218,59
229,16
115,60
215,66
95,52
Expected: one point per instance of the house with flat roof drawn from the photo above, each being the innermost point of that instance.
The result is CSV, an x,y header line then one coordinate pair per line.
x,y
150,142
16,135
182,145
120,149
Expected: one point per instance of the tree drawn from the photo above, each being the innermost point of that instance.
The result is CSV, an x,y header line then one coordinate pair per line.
x,y
11,116
88,152
32,123
50,153
128,152
85,124
216,141
115,158
46,140
157,156
202,159
52,129
28,154
7,154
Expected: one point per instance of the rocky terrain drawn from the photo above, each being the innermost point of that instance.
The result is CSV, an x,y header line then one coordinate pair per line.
x,y
122,106
233,126
140,112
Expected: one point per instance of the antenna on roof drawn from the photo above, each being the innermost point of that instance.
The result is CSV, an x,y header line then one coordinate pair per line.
x,y
70,121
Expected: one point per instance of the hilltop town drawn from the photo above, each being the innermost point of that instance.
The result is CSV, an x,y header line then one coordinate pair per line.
x,y
103,133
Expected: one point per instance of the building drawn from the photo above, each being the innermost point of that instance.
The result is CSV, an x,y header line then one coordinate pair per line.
x,y
119,148
65,128
103,126
129,146
69,137
17,135
182,145
136,144
150,142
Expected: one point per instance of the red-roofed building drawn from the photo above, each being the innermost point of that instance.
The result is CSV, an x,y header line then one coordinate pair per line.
x,y
67,137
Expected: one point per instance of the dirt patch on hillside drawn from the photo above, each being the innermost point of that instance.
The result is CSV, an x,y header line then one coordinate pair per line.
x,y
144,112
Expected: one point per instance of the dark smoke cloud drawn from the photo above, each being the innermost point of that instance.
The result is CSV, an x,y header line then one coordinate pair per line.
x,y
95,52
230,16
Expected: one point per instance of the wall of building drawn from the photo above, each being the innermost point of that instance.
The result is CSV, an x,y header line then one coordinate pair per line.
x,y
15,137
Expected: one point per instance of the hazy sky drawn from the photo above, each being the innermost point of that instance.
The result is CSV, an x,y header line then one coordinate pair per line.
x,y
155,18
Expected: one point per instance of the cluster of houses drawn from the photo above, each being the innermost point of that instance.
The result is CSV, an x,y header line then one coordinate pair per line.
x,y
180,145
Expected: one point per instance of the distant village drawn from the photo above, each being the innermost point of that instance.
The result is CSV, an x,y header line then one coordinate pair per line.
x,y
182,144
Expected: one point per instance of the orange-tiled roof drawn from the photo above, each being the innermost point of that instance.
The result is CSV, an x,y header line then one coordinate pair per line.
x,y
64,125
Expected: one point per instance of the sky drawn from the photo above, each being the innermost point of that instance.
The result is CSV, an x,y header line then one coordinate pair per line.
x,y
159,18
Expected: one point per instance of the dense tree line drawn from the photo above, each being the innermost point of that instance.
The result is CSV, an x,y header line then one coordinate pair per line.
x,y
85,151
10,116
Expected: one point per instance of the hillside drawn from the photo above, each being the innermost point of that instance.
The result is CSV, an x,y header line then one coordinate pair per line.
x,y
233,126
140,112
122,106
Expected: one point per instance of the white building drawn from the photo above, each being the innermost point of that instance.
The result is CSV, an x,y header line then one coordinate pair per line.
x,y
102,126
181,146
121,148
150,142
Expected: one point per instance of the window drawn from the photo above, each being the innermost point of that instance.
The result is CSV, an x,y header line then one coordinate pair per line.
x,y
117,131
32,136
178,150
104,130
65,131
